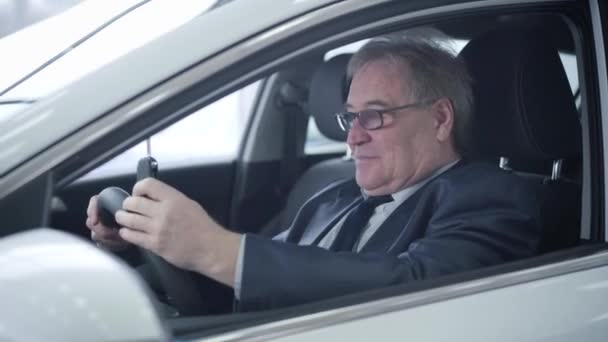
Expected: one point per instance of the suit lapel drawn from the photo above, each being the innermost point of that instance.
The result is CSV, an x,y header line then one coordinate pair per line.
x,y
395,229
330,214
321,213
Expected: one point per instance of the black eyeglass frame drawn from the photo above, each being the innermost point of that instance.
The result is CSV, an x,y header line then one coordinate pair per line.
x,y
345,119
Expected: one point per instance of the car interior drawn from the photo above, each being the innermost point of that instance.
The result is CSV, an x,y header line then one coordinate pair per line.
x,y
530,118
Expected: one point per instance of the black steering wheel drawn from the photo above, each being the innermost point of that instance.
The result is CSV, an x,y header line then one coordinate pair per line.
x,y
178,285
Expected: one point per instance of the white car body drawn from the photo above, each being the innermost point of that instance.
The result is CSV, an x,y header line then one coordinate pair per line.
x,y
35,266
563,301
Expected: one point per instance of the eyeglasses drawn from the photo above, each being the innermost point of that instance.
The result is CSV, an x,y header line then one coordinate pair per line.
x,y
371,119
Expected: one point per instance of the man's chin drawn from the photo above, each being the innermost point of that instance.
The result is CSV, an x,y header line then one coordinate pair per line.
x,y
367,183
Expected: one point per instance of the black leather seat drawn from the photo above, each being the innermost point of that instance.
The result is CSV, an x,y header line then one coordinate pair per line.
x,y
525,113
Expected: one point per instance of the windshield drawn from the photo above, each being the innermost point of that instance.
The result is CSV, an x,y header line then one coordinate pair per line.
x,y
45,57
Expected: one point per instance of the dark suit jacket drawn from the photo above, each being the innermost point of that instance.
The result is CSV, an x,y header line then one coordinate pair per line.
x,y
471,216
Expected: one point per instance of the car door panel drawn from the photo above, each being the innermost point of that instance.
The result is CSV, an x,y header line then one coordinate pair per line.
x,y
524,312
563,301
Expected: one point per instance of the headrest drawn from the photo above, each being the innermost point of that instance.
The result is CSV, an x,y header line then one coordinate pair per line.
x,y
524,107
327,95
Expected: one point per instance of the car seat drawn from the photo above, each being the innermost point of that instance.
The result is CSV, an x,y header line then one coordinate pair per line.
x,y
526,119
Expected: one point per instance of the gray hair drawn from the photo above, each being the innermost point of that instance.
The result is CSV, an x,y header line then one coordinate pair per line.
x,y
435,72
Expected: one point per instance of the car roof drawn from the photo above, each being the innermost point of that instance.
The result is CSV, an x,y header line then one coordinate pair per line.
x,y
119,81
39,126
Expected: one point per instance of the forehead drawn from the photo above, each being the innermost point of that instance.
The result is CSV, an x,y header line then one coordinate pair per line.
x,y
383,81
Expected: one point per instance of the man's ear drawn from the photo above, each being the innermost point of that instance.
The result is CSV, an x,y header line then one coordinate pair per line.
x,y
443,112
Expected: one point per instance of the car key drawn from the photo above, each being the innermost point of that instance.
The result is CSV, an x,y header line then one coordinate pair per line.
x,y
147,167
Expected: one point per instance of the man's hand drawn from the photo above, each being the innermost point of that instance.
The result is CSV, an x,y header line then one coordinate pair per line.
x,y
105,237
161,219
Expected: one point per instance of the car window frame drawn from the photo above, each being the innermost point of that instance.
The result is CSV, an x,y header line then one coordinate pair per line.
x,y
594,255
569,264
409,18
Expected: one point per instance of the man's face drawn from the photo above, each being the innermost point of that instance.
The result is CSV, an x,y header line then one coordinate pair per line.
x,y
406,149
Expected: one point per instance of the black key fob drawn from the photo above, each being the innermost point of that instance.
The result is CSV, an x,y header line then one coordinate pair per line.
x,y
147,167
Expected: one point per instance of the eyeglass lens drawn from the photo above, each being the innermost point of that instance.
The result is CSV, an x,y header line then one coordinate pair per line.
x,y
368,119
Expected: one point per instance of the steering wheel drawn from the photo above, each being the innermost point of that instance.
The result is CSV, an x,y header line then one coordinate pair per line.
x,y
177,284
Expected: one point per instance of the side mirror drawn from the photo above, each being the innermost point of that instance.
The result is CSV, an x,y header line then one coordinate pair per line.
x,y
58,287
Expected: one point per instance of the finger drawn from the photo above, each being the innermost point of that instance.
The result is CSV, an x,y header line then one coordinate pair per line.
x,y
114,243
134,221
101,232
141,205
92,210
135,237
154,189
89,223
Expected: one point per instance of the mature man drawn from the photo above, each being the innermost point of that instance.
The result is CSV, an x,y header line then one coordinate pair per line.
x,y
415,210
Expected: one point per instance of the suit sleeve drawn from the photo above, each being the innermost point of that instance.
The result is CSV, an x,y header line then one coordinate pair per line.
x,y
470,230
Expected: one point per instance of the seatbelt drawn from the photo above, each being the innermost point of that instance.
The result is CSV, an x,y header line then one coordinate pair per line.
x,y
291,102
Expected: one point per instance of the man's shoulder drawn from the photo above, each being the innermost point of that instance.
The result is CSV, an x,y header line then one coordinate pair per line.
x,y
483,175
477,170
479,186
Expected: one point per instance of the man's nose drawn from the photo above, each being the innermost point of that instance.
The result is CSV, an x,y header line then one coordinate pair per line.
x,y
357,135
